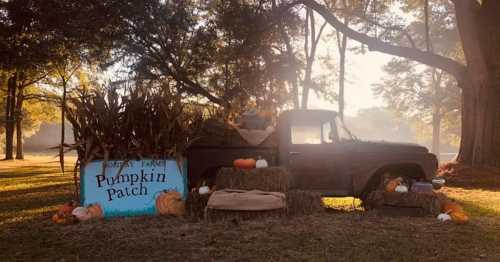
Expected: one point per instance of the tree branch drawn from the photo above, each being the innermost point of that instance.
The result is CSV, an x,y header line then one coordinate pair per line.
x,y
452,67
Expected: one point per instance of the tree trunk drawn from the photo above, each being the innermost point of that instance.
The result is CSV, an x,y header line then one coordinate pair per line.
x,y
478,25
63,117
342,52
9,117
468,130
436,132
19,122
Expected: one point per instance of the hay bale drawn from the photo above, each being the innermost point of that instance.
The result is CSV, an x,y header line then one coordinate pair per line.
x,y
429,202
195,205
271,179
301,202
216,215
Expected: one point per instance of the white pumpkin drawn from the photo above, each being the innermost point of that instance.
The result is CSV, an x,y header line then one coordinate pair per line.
x,y
261,163
402,189
204,190
443,217
81,213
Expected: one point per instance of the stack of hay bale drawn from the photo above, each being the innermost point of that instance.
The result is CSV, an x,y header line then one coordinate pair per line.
x,y
274,180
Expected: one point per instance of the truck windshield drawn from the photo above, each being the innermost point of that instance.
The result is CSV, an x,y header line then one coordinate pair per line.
x,y
342,131
311,133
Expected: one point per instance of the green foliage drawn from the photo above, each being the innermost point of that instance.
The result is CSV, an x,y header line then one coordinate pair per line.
x,y
35,112
224,53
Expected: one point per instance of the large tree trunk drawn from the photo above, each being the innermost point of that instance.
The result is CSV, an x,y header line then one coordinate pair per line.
x,y
436,132
468,129
9,117
19,122
478,27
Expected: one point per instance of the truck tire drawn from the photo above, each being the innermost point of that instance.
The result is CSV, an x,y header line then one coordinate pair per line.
x,y
378,181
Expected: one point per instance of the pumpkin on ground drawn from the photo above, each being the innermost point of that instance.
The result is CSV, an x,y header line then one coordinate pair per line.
x,y
451,207
456,212
95,211
244,163
67,208
81,213
459,217
64,219
170,203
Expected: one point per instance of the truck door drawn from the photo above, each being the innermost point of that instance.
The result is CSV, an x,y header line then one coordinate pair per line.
x,y
314,158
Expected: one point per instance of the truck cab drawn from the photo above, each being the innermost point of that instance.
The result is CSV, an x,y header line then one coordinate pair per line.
x,y
322,155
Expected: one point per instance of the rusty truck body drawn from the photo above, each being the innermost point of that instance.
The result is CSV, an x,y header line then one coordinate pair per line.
x,y
321,155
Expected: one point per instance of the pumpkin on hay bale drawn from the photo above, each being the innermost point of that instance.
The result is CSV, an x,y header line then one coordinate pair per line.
x,y
271,179
430,202
302,202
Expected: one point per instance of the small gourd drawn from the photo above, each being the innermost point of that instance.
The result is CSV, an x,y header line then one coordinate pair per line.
x,y
261,163
81,213
203,190
443,217
401,189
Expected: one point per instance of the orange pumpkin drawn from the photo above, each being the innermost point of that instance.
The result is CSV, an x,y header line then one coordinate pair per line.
x,y
95,211
392,184
459,217
67,208
451,207
170,203
63,219
244,163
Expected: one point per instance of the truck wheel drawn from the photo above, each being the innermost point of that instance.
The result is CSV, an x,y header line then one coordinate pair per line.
x,y
369,199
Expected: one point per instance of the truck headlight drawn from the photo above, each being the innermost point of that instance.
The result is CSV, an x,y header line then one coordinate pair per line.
x,y
438,182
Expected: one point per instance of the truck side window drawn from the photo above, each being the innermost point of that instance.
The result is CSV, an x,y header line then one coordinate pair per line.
x,y
303,133
311,133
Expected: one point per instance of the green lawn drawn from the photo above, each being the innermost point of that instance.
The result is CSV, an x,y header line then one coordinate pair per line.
x,y
30,191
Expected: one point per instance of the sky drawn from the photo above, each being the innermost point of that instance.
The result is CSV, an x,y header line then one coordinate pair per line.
x,y
362,71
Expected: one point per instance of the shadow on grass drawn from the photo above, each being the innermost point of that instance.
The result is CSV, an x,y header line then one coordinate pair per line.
x,y
28,171
31,199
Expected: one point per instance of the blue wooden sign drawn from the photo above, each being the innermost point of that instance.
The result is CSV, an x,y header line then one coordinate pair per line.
x,y
134,189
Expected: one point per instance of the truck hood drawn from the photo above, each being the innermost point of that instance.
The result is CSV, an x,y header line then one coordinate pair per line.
x,y
389,146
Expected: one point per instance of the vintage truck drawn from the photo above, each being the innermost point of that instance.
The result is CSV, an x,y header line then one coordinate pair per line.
x,y
321,155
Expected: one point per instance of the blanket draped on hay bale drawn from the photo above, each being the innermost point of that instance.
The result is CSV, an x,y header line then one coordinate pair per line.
x,y
429,202
301,202
242,200
242,205
271,179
